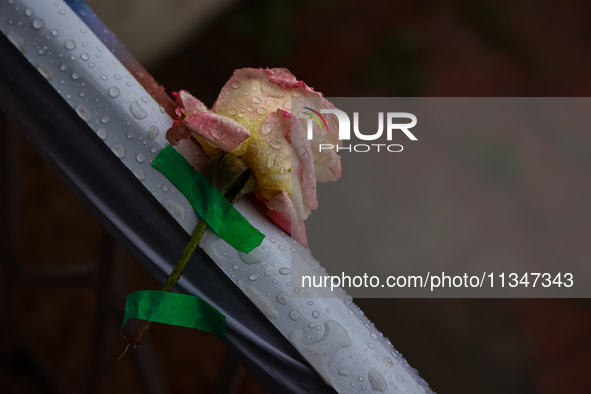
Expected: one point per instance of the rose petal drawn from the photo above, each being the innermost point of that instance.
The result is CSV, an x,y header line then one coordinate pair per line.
x,y
303,167
219,130
268,89
283,78
189,102
327,162
176,134
282,212
268,154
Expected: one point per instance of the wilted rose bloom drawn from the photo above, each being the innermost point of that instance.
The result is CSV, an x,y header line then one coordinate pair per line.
x,y
252,120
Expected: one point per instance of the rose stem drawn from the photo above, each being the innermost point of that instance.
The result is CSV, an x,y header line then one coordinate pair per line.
x,y
141,331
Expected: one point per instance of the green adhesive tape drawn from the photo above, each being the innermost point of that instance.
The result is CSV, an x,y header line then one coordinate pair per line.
x,y
176,309
208,202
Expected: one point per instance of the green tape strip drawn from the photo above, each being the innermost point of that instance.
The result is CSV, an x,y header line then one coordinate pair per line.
x,y
207,201
176,309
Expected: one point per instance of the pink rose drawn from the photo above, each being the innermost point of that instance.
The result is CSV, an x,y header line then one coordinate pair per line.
x,y
252,120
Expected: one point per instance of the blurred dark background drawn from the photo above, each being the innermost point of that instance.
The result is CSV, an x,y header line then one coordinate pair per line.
x,y
349,48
